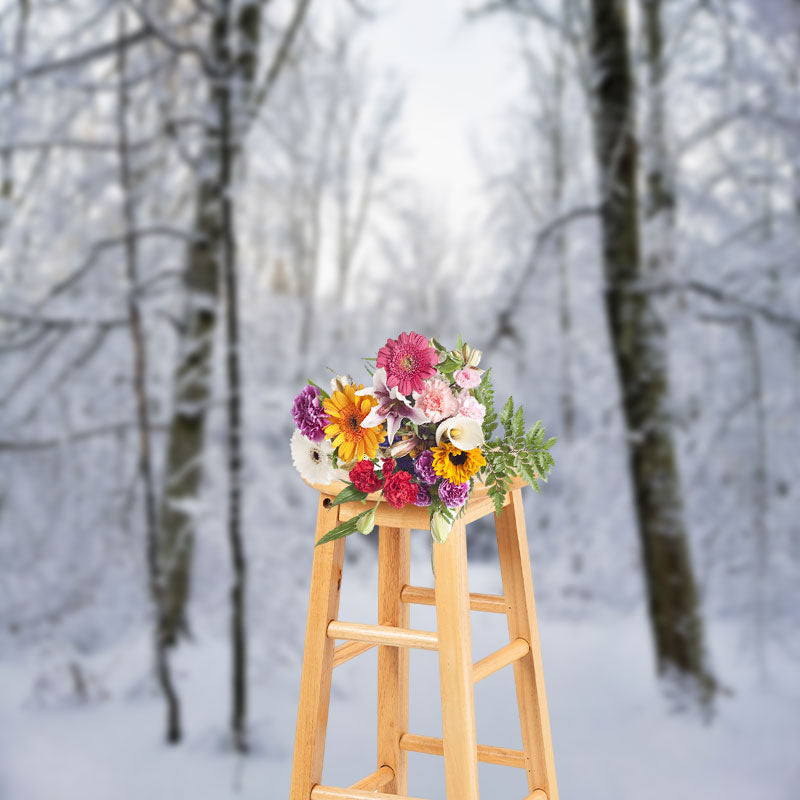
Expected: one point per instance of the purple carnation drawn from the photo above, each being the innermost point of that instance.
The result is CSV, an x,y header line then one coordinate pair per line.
x,y
309,415
453,495
423,498
423,466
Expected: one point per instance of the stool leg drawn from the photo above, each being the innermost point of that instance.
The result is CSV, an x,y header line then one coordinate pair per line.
x,y
455,665
315,681
393,574
515,566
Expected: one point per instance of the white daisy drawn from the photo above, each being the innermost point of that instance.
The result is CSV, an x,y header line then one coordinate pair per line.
x,y
312,459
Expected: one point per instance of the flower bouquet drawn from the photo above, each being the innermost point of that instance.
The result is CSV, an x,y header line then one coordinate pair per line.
x,y
422,434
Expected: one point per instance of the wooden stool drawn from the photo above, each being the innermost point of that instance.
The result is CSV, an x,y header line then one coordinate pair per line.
x,y
452,639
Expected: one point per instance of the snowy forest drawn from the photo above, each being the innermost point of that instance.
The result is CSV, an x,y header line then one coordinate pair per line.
x,y
204,203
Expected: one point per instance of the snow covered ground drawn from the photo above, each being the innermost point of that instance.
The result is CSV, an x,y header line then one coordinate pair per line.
x,y
614,736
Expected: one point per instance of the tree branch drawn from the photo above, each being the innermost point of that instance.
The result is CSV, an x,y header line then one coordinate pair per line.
x,y
776,318
19,445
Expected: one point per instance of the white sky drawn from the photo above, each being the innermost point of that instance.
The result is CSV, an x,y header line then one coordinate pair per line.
x,y
460,77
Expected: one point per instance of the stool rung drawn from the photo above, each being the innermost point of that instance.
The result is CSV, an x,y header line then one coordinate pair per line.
x,y
421,595
376,781
538,794
383,634
333,793
344,652
513,651
491,755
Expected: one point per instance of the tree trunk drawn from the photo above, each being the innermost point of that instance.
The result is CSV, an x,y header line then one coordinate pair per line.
x,y
638,340
140,372
193,373
211,264
557,131
659,202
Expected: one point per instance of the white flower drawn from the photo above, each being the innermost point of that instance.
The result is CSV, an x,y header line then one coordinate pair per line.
x,y
463,432
312,459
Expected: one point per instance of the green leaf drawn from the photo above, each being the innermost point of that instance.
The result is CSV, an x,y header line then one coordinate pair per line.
x,y
344,529
348,495
484,393
317,386
518,424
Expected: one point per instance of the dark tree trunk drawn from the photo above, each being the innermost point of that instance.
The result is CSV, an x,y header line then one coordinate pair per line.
x,y
659,201
193,371
231,70
140,372
638,340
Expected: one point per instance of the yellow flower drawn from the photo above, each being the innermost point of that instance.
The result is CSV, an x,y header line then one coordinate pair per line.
x,y
346,412
457,466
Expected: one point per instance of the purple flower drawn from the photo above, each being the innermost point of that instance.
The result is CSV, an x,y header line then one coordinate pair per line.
x,y
453,495
423,498
423,466
309,415
392,407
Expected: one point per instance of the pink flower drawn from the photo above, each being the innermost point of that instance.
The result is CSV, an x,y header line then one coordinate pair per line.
x,y
467,378
468,406
408,360
437,400
392,406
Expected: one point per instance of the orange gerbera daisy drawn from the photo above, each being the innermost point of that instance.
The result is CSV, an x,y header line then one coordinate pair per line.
x,y
346,411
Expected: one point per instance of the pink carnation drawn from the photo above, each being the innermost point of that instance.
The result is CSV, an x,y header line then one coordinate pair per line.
x,y
468,406
437,400
467,378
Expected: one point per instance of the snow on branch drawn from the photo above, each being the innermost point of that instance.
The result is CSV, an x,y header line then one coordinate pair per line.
x,y
71,144
99,51
777,318
32,318
48,443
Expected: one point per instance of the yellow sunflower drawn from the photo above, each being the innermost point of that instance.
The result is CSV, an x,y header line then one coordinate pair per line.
x,y
346,411
457,466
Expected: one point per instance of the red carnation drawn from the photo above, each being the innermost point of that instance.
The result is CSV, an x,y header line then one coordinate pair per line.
x,y
364,478
388,467
399,491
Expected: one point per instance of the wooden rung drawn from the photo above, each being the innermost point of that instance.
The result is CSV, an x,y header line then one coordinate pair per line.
x,y
383,634
333,793
539,794
477,602
491,755
513,651
344,652
376,781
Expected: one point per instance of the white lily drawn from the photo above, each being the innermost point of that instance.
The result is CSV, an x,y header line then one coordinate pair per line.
x,y
463,432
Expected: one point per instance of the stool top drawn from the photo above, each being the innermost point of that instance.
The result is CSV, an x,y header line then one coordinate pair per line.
x,y
418,518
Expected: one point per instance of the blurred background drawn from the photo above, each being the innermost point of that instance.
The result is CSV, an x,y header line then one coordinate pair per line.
x,y
203,203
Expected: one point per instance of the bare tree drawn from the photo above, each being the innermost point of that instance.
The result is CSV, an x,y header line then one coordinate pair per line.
x,y
140,377
202,279
638,342
336,135
230,70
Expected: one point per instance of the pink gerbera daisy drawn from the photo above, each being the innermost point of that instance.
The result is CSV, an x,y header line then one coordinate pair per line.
x,y
408,361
